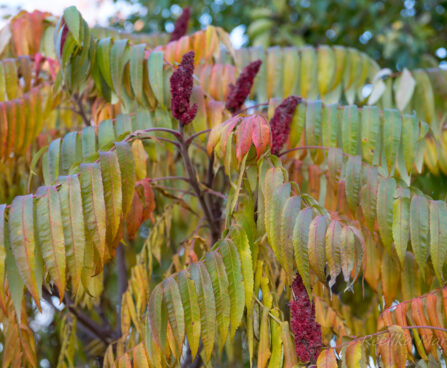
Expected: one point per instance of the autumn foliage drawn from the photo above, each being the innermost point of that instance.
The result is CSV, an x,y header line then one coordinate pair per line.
x,y
176,202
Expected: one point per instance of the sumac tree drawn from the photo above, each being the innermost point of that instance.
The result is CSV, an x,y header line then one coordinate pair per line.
x,y
182,203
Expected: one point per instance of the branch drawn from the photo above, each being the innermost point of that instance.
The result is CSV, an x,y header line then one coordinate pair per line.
x,y
157,129
184,178
81,110
104,333
191,138
192,174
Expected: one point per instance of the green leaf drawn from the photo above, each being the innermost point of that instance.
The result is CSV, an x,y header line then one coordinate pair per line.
x,y
423,97
15,281
316,246
2,255
391,128
326,68
410,129
73,20
368,196
88,140
53,162
300,241
158,320
70,151
335,165
23,243
106,133
240,240
405,89
237,297
191,310
119,56
401,223
370,133
419,230
273,179
111,179
291,69
351,130
438,237
353,181
273,212
219,280
287,223
155,71
103,59
330,125
207,306
313,125
73,226
136,70
333,250
174,308
128,174
347,252
93,205
385,199
308,73
50,235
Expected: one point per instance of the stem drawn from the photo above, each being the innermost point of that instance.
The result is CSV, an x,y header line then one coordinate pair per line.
x,y
81,111
192,174
184,178
191,138
158,129
304,148
103,332
251,107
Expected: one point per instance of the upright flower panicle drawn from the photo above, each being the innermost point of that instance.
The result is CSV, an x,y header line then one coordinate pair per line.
x,y
181,89
181,25
280,122
306,331
240,91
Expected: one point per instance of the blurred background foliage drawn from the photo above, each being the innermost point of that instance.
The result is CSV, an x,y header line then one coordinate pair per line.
x,y
396,33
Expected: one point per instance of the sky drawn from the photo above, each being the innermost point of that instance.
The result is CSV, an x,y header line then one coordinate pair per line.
x,y
93,11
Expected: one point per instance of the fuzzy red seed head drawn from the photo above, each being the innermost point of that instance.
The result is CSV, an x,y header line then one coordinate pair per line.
x,y
181,89
280,122
181,25
306,331
240,91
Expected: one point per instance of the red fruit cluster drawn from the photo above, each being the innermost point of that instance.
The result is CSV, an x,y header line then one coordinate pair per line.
x,y
280,122
181,25
240,91
181,89
306,330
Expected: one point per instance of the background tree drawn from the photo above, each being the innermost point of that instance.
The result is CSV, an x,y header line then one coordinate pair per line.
x,y
182,203
395,33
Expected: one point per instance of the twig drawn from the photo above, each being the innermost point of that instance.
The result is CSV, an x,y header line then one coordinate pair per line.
x,y
81,111
104,333
303,148
184,178
191,138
